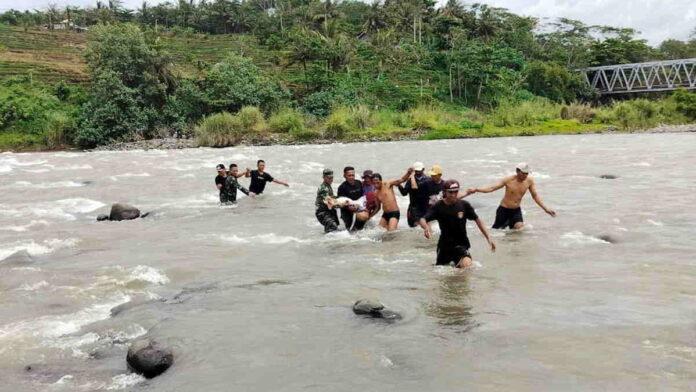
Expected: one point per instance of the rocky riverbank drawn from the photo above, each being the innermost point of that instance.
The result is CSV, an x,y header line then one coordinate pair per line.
x,y
269,139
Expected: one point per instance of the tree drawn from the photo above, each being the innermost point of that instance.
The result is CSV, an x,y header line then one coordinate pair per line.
x,y
236,82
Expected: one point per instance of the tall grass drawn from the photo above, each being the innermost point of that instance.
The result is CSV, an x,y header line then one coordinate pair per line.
x,y
525,113
219,130
424,117
287,120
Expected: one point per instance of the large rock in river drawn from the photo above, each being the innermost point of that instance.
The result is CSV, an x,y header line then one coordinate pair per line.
x,y
123,211
149,358
375,309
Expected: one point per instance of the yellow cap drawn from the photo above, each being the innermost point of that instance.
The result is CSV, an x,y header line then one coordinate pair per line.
x,y
436,170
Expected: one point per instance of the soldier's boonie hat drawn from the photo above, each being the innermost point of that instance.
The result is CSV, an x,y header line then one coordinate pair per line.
x,y
328,173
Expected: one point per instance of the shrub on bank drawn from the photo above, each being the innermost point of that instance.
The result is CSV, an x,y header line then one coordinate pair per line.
x,y
251,118
525,113
337,126
578,111
287,120
424,117
685,103
219,130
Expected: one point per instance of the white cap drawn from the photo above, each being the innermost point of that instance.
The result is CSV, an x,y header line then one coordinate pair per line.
x,y
418,166
523,167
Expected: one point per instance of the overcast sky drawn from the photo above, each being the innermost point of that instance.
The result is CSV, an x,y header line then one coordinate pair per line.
x,y
657,20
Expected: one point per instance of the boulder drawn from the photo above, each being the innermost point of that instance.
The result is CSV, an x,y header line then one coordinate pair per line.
x,y
102,217
609,176
374,309
122,211
149,358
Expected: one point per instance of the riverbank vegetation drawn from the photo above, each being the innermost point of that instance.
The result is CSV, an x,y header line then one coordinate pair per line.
x,y
227,72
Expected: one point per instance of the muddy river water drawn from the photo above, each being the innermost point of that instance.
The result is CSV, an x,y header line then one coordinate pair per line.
x,y
254,297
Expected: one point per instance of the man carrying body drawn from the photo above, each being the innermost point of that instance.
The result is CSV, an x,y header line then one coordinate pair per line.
x,y
326,215
509,212
352,189
231,185
259,178
451,214
418,191
387,199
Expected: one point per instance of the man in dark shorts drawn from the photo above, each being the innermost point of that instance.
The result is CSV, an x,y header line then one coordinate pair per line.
x,y
509,213
352,189
232,185
418,190
451,214
326,215
387,200
259,178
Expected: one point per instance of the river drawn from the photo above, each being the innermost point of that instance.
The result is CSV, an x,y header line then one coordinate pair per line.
x,y
254,297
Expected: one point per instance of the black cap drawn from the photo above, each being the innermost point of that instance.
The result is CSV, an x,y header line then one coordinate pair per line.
x,y
327,173
220,166
367,174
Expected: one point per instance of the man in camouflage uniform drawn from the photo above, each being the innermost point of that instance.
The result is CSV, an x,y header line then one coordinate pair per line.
x,y
228,193
326,216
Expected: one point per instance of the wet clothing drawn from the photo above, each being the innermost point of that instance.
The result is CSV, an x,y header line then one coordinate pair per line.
x,y
228,193
220,180
388,215
353,192
452,220
507,217
453,254
369,188
435,191
419,198
258,181
327,217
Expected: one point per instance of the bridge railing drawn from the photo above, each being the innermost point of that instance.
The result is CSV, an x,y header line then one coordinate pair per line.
x,y
642,77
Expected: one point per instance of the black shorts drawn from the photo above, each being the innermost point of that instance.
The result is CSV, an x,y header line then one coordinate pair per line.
x,y
414,214
507,217
388,215
447,254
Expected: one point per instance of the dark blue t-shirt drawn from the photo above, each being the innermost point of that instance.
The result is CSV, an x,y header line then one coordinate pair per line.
x,y
258,181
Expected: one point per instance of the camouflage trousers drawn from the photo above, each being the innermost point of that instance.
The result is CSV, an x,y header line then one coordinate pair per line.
x,y
328,218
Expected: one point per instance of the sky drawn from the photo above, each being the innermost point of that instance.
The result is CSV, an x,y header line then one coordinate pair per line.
x,y
657,20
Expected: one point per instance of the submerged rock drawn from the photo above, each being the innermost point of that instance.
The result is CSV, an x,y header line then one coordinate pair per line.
x,y
149,358
123,211
19,257
609,176
102,217
608,238
374,309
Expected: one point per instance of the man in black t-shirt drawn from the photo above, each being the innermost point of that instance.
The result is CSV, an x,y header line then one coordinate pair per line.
x,y
352,189
451,214
259,178
418,190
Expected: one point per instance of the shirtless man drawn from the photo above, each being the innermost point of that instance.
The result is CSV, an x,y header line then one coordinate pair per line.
x,y
387,199
509,212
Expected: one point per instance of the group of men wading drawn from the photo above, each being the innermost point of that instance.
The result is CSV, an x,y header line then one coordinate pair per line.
x,y
430,199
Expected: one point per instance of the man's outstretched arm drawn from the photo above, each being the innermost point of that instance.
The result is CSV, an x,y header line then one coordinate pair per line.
x,y
485,233
537,199
403,178
281,182
487,189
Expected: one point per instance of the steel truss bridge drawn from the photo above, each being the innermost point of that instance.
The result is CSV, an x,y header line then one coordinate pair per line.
x,y
642,77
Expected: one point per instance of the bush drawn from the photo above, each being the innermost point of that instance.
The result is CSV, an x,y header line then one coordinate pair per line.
x,y
361,117
685,103
287,120
251,118
337,125
423,117
524,113
58,129
578,111
320,103
219,130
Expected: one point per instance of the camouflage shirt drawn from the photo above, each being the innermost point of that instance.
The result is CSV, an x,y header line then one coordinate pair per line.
x,y
228,193
323,191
